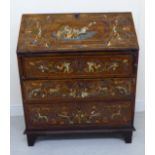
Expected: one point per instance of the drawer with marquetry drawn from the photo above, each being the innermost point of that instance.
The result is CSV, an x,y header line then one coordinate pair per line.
x,y
71,115
78,66
77,89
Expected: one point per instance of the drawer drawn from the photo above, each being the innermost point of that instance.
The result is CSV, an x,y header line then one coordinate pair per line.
x,y
79,89
70,115
78,66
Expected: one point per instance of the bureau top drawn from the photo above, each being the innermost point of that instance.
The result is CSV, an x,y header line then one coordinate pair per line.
x,y
76,32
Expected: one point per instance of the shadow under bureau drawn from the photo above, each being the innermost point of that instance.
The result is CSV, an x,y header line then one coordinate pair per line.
x,y
78,74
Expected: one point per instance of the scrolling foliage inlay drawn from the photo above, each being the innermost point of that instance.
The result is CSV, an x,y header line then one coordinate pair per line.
x,y
43,66
94,114
78,89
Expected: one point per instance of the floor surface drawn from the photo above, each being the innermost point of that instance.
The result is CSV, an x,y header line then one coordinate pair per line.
x,y
97,146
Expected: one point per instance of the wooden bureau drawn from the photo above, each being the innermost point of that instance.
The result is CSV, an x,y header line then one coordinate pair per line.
x,y
78,74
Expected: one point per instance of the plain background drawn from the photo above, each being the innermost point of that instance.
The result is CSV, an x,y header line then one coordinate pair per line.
x,y
149,76
19,7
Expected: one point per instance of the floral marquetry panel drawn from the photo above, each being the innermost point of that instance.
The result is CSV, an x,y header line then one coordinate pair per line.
x,y
78,89
81,66
61,114
65,32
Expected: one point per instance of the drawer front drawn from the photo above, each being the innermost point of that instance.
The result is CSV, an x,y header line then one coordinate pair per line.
x,y
58,90
70,115
82,66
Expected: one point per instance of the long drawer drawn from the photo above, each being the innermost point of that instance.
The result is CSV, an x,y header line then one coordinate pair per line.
x,y
78,89
70,115
78,66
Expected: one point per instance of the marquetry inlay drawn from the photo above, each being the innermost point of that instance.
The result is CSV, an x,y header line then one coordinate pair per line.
x,y
78,89
96,114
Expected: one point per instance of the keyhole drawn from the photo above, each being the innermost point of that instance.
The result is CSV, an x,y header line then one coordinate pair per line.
x,y
77,15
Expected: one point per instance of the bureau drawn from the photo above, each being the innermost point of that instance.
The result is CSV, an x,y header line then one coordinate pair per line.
x,y
78,74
